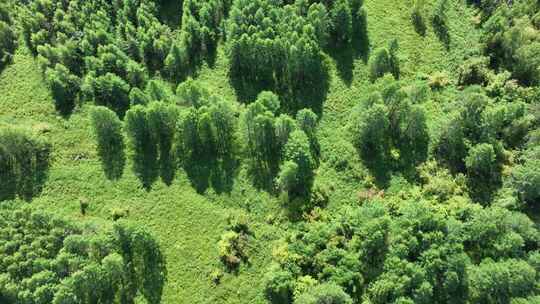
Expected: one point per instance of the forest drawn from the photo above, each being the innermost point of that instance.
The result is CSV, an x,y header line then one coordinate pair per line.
x,y
270,151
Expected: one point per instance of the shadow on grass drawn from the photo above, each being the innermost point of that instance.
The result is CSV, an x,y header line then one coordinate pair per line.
x,y
345,55
441,31
216,174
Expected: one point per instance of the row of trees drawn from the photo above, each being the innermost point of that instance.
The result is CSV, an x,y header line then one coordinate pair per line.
x,y
205,139
420,254
45,259
278,48
199,35
24,164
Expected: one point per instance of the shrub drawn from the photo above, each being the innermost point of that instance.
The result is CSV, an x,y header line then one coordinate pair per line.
x,y
379,64
232,249
438,80
474,70
110,141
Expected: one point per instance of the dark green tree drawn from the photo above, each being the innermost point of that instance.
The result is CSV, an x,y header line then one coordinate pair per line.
x,y
372,135
109,90
25,161
299,163
526,176
379,64
342,27
162,121
8,42
500,282
65,88
484,169
144,146
110,141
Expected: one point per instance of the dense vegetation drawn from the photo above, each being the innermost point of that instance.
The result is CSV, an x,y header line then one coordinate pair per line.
x,y
301,151
49,260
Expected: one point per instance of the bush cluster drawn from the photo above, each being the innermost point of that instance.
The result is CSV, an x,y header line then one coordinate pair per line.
x,y
419,254
389,121
279,146
473,142
46,259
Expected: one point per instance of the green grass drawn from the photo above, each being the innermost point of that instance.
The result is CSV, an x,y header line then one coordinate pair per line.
x,y
189,225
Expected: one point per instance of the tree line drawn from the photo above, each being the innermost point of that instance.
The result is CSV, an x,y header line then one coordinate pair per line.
x,y
202,134
280,47
46,259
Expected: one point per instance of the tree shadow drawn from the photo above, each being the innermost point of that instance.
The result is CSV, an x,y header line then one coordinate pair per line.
x,y
198,174
419,25
167,168
247,89
211,56
263,176
146,166
344,55
441,31
218,174
381,171
344,58
308,90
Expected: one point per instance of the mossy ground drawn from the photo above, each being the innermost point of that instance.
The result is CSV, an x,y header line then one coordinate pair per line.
x,y
189,225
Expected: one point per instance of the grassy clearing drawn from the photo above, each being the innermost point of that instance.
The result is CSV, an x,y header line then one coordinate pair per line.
x,y
189,225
